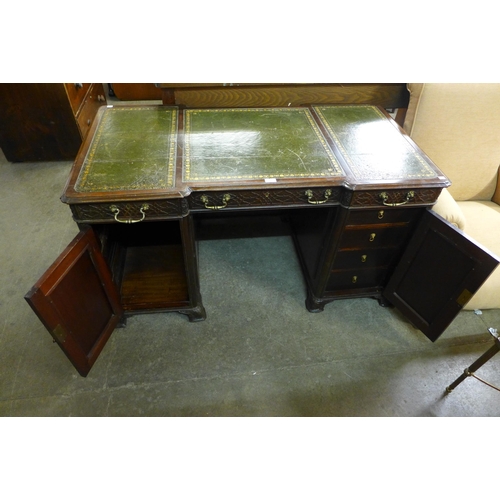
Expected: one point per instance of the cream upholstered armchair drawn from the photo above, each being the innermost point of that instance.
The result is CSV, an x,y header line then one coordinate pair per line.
x,y
458,127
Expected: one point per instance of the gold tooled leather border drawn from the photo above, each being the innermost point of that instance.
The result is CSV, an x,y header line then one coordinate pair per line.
x,y
427,171
83,185
335,169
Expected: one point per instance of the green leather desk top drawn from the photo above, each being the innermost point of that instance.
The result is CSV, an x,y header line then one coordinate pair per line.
x,y
134,148
372,147
254,143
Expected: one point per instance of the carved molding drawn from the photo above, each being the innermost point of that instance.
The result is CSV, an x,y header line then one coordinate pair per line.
x,y
270,198
94,212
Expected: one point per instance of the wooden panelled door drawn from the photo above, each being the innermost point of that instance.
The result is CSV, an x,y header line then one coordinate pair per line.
x,y
439,272
77,301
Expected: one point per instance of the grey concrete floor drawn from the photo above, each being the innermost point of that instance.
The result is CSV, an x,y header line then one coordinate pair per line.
x,y
258,353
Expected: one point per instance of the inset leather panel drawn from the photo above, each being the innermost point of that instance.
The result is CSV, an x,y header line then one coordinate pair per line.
x,y
134,148
235,144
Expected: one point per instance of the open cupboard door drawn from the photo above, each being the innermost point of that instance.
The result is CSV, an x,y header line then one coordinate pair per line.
x,y
439,272
77,301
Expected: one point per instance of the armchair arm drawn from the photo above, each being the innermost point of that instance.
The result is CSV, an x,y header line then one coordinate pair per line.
x,y
447,207
496,194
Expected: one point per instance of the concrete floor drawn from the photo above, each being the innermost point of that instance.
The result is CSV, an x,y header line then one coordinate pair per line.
x,y
259,353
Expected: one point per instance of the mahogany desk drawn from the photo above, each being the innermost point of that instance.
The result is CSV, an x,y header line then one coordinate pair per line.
x,y
354,188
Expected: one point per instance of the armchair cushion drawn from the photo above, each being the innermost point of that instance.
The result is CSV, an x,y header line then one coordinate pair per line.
x,y
449,209
483,223
457,126
496,196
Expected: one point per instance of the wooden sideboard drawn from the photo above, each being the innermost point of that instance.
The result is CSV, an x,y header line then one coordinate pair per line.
x,y
355,191
46,121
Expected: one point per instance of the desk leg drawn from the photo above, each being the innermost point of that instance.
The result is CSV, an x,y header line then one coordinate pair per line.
x,y
197,311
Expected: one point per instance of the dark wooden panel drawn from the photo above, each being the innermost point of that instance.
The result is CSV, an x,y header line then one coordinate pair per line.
x,y
37,123
154,277
387,95
77,301
439,272
136,91
311,228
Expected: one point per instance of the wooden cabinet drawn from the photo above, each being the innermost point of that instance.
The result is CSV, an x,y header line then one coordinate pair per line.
x,y
46,121
110,271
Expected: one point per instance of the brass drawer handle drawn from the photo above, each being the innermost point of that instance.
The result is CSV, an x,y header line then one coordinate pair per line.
x,y
115,210
372,236
380,214
310,195
354,279
363,258
384,197
205,200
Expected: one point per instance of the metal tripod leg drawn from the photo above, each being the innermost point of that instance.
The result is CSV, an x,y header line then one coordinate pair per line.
x,y
468,372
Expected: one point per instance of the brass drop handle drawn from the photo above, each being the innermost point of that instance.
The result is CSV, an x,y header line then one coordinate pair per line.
x,y
205,200
384,197
380,214
310,195
115,210
372,236
354,279
363,258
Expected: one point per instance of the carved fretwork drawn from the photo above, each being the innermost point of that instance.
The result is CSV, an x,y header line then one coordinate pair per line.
x,y
101,212
271,198
399,196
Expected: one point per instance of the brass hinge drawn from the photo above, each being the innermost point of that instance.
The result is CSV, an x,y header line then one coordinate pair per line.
x,y
59,333
464,297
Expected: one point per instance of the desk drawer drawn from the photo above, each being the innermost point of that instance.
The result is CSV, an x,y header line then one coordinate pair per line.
x,y
76,94
356,278
275,198
402,197
383,216
365,258
93,101
374,236
127,212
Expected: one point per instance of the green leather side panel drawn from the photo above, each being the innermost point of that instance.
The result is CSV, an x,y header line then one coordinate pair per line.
x,y
133,148
373,148
255,143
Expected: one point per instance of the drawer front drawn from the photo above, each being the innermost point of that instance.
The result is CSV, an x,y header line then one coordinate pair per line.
x,y
94,100
129,212
365,258
76,94
394,198
384,215
356,278
373,236
229,200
